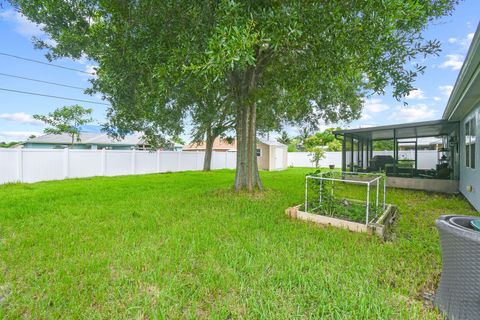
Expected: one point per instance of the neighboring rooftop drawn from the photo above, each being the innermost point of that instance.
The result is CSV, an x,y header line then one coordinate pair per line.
x,y
91,138
88,138
271,142
219,144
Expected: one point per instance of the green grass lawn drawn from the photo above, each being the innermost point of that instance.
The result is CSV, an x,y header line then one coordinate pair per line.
x,y
183,245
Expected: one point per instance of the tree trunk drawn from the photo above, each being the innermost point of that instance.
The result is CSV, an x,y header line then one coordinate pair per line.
x,y
246,176
208,151
244,84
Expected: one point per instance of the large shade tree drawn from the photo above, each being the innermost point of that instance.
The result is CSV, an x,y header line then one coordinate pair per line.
x,y
212,117
284,61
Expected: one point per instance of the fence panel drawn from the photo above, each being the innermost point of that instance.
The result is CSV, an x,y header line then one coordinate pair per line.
x,y
231,160
219,160
145,162
84,163
118,162
169,161
9,169
40,165
32,165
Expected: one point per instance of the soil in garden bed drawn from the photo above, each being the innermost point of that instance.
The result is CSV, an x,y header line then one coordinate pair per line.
x,y
344,209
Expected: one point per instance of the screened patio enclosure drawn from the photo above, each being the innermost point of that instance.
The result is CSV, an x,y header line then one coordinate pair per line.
x,y
427,150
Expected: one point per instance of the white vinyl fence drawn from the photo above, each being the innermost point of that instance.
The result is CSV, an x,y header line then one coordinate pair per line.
x,y
32,165
427,159
303,159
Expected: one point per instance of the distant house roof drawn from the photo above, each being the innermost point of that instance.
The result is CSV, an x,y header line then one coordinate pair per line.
x,y
271,142
88,138
218,144
91,138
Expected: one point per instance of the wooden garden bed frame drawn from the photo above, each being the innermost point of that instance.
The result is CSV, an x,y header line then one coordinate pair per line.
x,y
380,227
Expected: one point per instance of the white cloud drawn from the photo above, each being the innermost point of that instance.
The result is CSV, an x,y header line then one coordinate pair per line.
x,y
416,94
23,26
466,42
412,113
437,98
17,135
373,106
365,116
20,117
453,61
446,90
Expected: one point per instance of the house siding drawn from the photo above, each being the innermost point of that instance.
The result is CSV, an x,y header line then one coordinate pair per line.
x,y
28,145
469,176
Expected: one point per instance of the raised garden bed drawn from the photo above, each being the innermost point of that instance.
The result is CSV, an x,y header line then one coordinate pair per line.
x,y
380,227
353,201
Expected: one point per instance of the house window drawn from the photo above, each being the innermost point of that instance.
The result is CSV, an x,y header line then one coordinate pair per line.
x,y
259,152
470,140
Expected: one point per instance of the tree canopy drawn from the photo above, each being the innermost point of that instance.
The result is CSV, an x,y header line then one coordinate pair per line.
x,y
67,120
282,61
324,139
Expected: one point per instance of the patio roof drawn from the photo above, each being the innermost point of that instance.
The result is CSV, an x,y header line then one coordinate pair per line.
x,y
401,131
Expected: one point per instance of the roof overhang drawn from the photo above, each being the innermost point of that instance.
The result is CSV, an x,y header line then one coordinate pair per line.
x,y
466,92
402,131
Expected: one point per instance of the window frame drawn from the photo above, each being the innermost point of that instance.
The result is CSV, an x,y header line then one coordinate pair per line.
x,y
470,136
258,152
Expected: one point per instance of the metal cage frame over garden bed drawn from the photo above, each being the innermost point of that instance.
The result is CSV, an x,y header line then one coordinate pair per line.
x,y
326,176
332,198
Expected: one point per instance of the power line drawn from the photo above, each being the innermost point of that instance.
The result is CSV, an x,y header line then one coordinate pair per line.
x,y
55,97
45,63
42,81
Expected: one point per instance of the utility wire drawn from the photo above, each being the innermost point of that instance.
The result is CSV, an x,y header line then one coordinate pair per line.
x,y
45,63
42,81
55,97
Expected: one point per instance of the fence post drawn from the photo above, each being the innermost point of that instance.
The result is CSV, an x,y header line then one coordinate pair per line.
x,y
368,203
20,164
66,162
132,162
179,160
158,161
306,194
104,162
196,160
384,190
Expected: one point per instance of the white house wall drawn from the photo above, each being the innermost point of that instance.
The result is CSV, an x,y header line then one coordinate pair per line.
x,y
469,176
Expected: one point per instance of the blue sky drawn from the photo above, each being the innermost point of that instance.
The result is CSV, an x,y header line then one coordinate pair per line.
x,y
454,32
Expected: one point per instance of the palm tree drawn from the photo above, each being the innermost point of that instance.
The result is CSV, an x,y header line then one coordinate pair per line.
x,y
284,138
303,135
